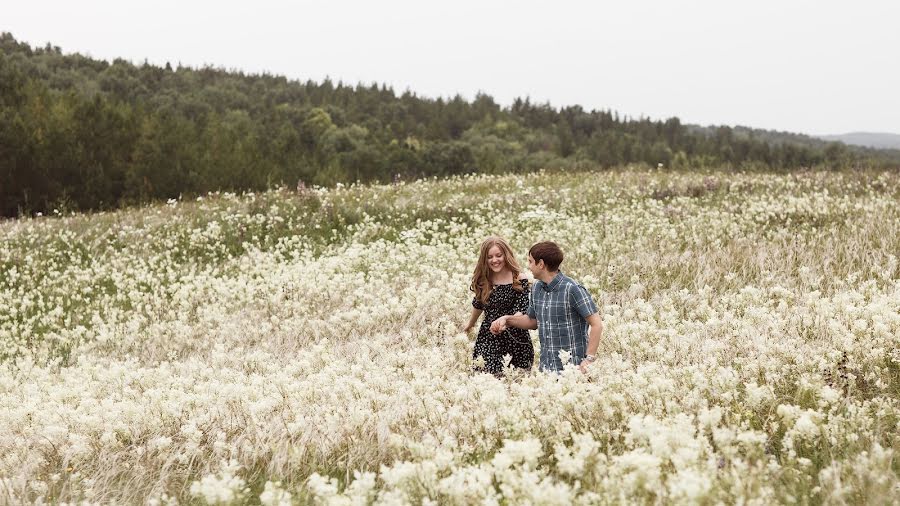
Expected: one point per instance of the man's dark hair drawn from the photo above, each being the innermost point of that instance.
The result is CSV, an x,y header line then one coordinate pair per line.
x,y
549,252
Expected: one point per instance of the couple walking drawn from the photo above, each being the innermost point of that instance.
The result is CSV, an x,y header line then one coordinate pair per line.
x,y
561,310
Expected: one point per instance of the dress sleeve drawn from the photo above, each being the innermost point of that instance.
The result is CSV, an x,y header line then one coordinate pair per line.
x,y
477,303
523,298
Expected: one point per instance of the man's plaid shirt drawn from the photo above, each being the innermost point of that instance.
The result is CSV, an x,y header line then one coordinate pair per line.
x,y
560,308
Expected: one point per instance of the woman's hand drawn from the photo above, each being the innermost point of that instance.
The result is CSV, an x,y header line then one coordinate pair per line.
x,y
499,325
468,326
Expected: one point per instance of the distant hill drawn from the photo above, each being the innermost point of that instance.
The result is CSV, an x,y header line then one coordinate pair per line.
x,y
867,139
772,137
883,146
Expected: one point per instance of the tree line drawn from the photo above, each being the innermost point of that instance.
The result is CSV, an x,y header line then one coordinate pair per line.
x,y
82,133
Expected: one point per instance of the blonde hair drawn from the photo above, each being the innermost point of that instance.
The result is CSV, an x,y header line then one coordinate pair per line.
x,y
481,277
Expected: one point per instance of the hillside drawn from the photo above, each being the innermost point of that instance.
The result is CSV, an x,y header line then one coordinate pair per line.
x,y
81,133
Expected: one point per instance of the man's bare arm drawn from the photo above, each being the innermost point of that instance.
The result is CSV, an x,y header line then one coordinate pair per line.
x,y
518,320
521,321
596,323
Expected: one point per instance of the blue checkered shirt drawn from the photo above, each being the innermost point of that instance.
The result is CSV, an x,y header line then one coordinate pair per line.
x,y
561,308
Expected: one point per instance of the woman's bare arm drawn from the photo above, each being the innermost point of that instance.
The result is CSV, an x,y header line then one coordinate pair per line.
x,y
473,319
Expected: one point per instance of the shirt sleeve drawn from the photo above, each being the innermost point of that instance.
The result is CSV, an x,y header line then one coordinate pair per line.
x,y
477,303
581,300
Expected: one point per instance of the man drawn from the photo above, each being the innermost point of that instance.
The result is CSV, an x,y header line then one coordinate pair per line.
x,y
561,310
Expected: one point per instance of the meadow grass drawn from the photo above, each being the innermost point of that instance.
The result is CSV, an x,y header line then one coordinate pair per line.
x,y
294,347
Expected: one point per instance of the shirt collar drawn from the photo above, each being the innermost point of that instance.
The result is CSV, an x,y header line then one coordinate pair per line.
x,y
549,287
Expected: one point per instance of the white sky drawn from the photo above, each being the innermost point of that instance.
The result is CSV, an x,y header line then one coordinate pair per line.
x,y
817,67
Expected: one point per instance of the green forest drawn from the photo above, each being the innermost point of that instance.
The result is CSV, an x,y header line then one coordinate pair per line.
x,y
78,133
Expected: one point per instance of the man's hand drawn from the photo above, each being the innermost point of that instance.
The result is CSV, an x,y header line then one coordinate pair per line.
x,y
499,325
584,365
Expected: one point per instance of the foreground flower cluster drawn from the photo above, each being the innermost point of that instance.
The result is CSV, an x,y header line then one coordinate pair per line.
x,y
285,348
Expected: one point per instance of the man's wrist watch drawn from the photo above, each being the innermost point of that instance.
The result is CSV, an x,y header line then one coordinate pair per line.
x,y
591,358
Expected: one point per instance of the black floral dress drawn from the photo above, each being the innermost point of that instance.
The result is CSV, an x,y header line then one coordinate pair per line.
x,y
504,300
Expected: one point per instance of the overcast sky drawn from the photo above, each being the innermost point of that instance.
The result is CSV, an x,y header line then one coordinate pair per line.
x,y
817,67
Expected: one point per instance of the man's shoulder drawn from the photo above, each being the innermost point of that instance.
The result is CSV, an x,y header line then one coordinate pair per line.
x,y
573,287
569,282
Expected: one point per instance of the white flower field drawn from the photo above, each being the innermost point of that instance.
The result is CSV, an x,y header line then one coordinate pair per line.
x,y
304,347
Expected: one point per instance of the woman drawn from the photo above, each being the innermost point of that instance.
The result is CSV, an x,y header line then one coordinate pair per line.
x,y
500,289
